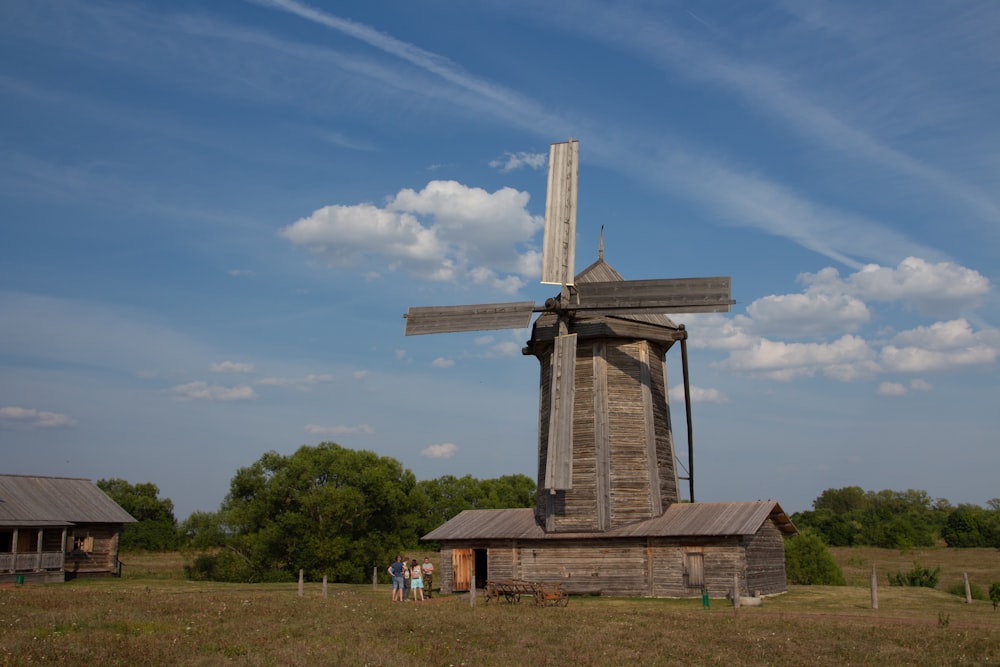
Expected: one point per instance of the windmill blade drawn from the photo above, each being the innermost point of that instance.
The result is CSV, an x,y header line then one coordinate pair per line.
x,y
689,295
559,458
559,243
481,317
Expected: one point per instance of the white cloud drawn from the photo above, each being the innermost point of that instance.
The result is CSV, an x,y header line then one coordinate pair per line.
x,y
512,161
241,273
444,451
832,306
202,391
441,362
445,232
698,395
891,389
933,289
13,417
302,384
231,367
809,313
360,374
359,429
917,384
847,358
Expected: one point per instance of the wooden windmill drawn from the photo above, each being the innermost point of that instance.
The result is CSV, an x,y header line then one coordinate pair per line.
x,y
605,446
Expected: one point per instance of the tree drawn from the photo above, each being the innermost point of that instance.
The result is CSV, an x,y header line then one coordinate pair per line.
x,y
204,530
890,519
448,495
325,509
808,562
156,529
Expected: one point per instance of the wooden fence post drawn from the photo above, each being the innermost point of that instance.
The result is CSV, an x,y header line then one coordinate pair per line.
x,y
968,589
375,578
301,573
324,586
472,591
736,590
874,585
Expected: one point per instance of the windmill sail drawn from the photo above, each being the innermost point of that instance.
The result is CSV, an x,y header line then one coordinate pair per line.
x,y
482,317
559,243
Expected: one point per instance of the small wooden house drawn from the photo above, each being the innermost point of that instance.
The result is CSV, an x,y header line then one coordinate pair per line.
x,y
688,548
54,528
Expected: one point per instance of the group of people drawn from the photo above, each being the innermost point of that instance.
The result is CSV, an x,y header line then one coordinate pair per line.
x,y
411,579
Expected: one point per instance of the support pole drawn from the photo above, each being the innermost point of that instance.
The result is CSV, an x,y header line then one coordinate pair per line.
x,y
301,575
472,591
874,586
968,589
324,587
687,413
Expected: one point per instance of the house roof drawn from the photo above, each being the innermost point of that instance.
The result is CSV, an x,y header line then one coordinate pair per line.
x,y
55,501
680,520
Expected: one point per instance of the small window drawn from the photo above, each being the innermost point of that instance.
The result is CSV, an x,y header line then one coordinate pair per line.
x,y
83,543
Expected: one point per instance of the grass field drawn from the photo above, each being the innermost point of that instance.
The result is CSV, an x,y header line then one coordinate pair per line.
x,y
152,615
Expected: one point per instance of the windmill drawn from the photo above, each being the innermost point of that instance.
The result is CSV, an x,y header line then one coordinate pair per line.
x,y
606,454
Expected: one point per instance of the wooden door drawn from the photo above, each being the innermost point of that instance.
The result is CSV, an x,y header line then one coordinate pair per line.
x,y
694,565
461,567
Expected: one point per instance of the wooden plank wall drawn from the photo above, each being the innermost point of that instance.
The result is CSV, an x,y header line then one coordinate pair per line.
x,y
633,566
765,556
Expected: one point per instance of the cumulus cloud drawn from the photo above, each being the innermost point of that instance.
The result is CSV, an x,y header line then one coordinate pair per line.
x,y
28,419
834,310
447,231
202,391
846,358
939,289
441,362
891,389
359,429
302,384
241,273
698,395
444,451
231,367
511,161
809,313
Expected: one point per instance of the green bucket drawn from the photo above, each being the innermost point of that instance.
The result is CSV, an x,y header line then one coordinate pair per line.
x,y
19,579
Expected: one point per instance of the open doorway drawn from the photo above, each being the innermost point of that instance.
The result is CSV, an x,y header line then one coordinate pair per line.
x,y
481,570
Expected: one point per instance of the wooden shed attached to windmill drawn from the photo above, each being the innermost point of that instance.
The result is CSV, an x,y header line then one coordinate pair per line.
x,y
608,517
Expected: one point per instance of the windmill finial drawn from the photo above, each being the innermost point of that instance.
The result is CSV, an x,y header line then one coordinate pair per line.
x,y
600,246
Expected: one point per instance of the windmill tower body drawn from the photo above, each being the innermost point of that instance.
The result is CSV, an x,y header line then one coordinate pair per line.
x,y
623,467
606,453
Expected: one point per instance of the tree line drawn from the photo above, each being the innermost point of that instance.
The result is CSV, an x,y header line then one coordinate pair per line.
x,y
337,512
851,516
326,509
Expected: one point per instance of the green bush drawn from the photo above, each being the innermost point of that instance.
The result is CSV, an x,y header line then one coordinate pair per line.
x,y
995,593
918,576
225,565
809,563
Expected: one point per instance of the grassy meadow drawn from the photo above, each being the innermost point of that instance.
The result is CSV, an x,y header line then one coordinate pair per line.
x,y
152,615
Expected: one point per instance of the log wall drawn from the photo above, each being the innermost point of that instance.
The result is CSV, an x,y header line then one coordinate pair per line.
x,y
630,567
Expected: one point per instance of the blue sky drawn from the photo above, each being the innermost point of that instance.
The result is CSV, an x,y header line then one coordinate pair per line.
x,y
213,216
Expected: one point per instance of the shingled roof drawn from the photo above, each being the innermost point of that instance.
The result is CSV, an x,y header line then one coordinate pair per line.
x,y
55,501
680,520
